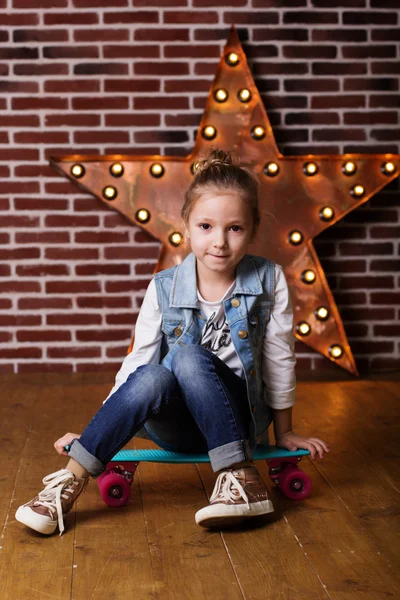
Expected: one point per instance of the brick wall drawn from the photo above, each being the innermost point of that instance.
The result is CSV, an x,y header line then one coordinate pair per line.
x,y
132,76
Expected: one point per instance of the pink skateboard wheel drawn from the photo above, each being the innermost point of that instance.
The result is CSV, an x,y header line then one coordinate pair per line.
x,y
115,490
294,483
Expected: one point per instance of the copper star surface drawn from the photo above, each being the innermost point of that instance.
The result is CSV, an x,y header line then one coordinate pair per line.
x,y
300,196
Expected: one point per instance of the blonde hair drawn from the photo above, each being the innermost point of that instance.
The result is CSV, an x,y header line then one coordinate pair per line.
x,y
220,172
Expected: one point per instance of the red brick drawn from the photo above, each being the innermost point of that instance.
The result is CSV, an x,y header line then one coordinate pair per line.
x,y
369,51
385,68
161,68
20,320
101,237
339,35
130,252
21,352
338,101
116,287
19,87
121,319
34,70
371,84
40,4
48,102
70,51
19,287
100,103
360,347
28,154
6,368
4,70
385,265
367,282
98,3
309,51
17,221
161,35
14,53
101,302
72,287
43,335
385,135
131,51
4,172
161,137
19,121
160,3
367,314
101,137
387,330
132,120
196,17
72,253
105,335
101,35
41,137
21,36
161,102
337,68
79,86
322,135
73,319
346,266
72,120
42,270
385,298
101,269
17,19
46,302
43,237
5,270
74,352
63,221
369,17
132,85
74,18
4,237
33,204
116,352
33,170
133,16
385,232
310,17
371,117
367,249
267,34
17,187
5,303
102,68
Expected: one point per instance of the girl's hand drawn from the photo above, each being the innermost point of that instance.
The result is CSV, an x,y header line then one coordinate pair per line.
x,y
64,441
292,441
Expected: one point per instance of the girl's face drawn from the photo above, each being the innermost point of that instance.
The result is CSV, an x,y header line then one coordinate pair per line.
x,y
220,228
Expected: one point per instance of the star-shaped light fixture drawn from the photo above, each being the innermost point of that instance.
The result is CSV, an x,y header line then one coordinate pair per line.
x,y
300,196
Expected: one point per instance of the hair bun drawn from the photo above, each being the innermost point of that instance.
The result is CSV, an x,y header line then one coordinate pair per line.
x,y
215,158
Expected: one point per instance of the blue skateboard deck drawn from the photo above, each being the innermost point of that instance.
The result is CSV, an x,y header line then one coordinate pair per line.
x,y
165,456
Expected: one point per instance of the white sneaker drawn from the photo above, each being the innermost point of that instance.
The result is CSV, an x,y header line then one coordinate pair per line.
x,y
46,510
238,494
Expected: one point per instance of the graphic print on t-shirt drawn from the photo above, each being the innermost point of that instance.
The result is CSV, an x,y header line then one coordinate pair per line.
x,y
216,333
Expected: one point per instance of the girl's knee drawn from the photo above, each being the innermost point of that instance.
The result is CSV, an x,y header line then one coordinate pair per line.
x,y
152,377
186,359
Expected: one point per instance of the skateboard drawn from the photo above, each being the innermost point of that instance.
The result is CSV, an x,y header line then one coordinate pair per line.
x,y
116,481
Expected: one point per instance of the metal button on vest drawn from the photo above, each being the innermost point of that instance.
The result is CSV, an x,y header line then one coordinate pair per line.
x,y
242,334
178,331
253,373
235,302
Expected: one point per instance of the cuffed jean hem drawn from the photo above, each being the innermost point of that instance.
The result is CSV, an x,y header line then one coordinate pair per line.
x,y
85,459
227,455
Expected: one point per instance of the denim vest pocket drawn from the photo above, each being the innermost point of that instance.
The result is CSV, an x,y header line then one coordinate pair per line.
x,y
172,329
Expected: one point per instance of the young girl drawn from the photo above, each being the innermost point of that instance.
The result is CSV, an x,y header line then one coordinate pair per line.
x,y
212,364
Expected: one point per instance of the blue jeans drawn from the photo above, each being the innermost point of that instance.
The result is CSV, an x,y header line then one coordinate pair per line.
x,y
200,405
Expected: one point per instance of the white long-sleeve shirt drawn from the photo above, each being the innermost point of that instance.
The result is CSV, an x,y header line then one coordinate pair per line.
x,y
278,345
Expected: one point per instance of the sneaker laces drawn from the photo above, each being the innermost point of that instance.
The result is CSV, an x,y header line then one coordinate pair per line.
x,y
56,484
227,488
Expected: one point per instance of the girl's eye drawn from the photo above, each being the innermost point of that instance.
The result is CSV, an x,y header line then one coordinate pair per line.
x,y
236,227
204,226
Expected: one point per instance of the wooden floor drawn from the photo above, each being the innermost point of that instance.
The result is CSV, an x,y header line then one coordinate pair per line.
x,y
341,543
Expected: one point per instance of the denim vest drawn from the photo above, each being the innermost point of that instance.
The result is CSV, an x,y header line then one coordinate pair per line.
x,y
247,312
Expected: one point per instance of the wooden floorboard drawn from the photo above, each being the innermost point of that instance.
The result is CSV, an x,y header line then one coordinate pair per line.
x,y
340,544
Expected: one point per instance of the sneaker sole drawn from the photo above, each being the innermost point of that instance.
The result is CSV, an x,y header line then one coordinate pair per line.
x,y
221,515
28,517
